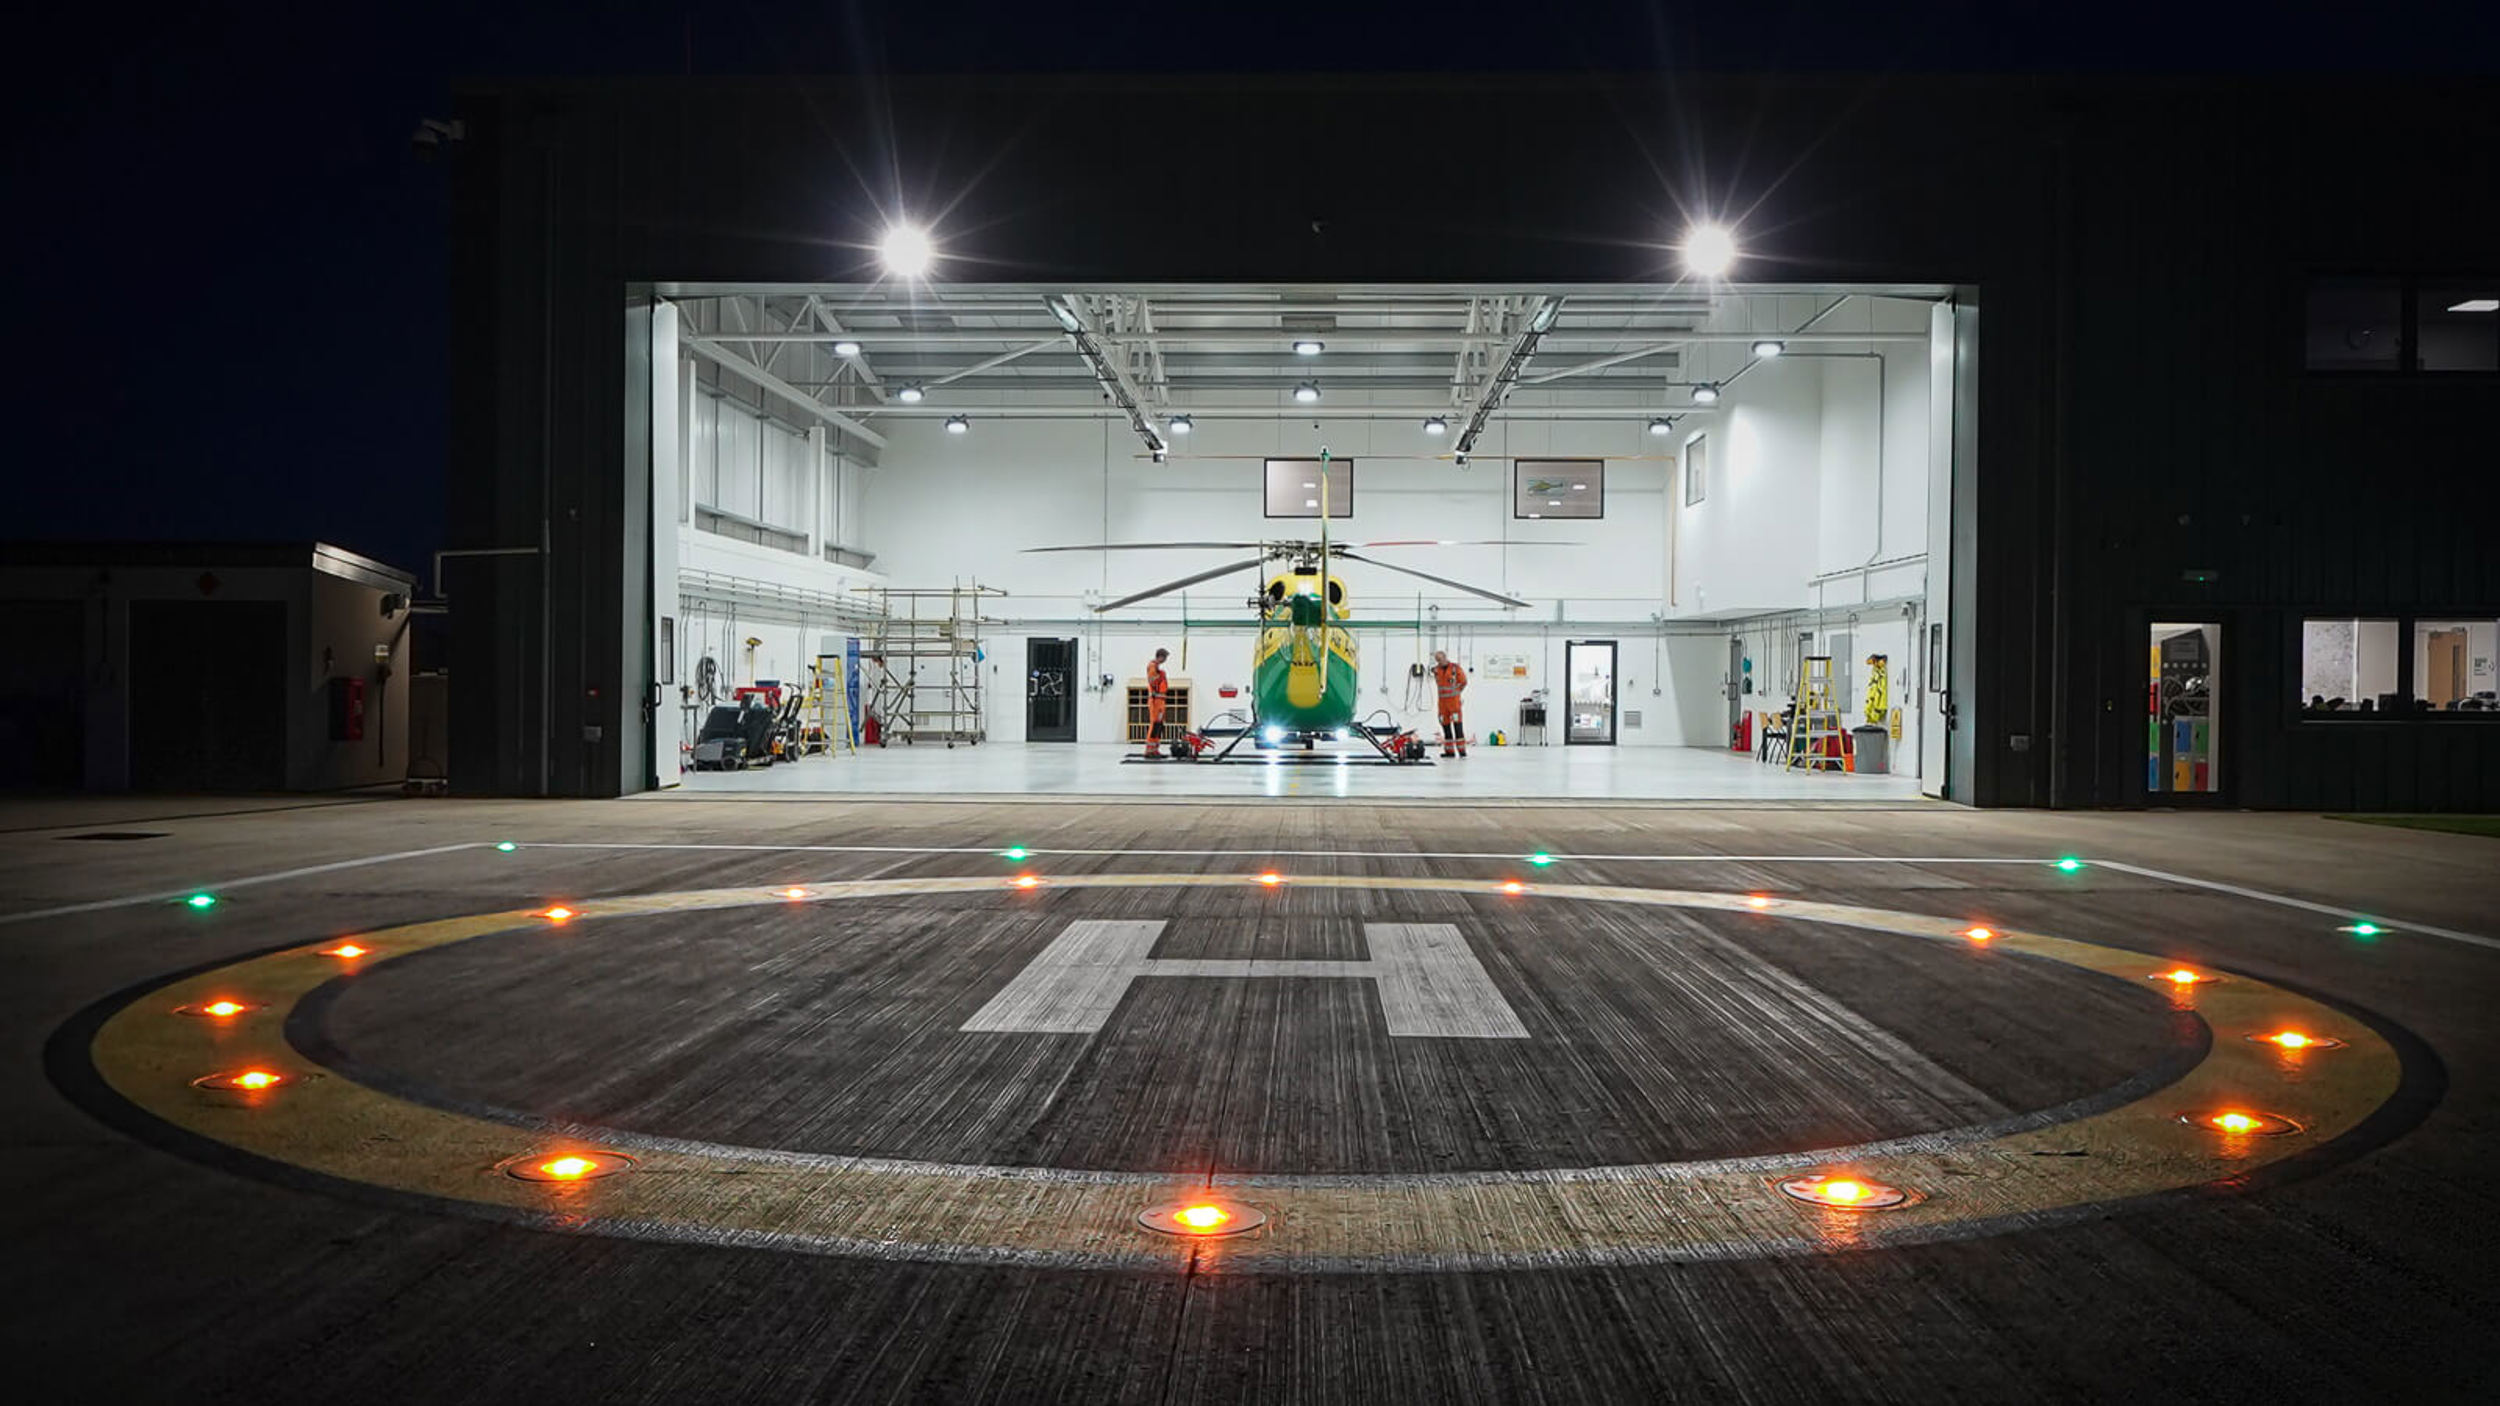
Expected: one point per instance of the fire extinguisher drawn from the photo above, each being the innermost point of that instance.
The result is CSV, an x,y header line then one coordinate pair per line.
x,y
870,732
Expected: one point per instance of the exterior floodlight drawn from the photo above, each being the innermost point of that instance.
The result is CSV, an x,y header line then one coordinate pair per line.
x,y
1436,426
907,251
911,394
846,349
958,424
1661,425
1707,393
1709,250
1307,347
1181,424
1307,392
1767,347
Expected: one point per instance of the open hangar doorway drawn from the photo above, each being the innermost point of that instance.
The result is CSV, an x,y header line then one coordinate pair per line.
x,y
1745,489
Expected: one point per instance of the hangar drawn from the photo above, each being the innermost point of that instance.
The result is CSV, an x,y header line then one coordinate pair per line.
x,y
2044,404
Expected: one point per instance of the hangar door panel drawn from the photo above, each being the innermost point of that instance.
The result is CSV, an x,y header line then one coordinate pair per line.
x,y
208,695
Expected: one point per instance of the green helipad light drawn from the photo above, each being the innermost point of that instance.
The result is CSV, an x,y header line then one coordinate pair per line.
x,y
507,846
2070,864
1540,859
2365,929
1016,852
202,900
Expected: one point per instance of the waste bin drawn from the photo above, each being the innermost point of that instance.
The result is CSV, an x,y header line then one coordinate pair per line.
x,y
1873,746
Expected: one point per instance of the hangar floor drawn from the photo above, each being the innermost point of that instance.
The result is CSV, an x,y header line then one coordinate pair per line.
x,y
1490,1130
1019,769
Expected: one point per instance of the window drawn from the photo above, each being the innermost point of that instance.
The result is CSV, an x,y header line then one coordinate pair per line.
x,y
2456,327
2434,325
2355,324
1293,488
668,649
2347,668
1696,470
1558,488
2453,663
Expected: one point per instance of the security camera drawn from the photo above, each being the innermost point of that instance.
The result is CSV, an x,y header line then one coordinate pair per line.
x,y
1462,461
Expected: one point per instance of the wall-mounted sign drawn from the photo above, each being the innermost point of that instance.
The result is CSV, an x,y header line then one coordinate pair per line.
x,y
1505,666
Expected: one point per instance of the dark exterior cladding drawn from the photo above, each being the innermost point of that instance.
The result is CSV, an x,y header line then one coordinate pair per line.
x,y
2140,442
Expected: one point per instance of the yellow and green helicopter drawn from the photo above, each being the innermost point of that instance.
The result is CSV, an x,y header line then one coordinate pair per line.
x,y
1303,668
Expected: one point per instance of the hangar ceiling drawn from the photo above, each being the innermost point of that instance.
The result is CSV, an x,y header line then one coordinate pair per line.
x,y
1162,357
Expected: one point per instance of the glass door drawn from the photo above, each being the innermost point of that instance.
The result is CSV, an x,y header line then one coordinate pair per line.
x,y
1589,669
1049,694
2183,715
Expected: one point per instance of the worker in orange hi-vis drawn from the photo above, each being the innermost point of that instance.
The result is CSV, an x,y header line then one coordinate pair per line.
x,y
1157,683
1449,681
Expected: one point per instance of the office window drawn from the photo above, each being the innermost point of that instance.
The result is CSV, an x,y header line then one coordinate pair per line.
x,y
2347,668
1696,470
1293,488
2453,666
1558,488
2456,327
2356,324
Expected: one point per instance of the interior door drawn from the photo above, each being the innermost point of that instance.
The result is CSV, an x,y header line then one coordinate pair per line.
x,y
1049,692
1589,672
1736,702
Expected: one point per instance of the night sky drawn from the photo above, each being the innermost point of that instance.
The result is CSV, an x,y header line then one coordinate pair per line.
x,y
230,270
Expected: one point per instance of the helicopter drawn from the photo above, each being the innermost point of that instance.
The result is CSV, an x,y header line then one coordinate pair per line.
x,y
1304,666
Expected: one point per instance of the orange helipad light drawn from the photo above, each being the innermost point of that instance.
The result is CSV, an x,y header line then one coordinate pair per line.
x,y
2241,1122
1845,1193
1027,881
2298,1040
1759,900
223,1008
1514,886
794,893
250,1081
1979,934
2184,976
568,1166
1271,879
1204,1215
558,913
347,949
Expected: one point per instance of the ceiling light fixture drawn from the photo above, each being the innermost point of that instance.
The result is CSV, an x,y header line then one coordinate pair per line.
x,y
1707,393
1181,424
1661,425
846,349
1769,347
1307,392
1709,250
958,424
911,394
907,251
1307,347
1436,426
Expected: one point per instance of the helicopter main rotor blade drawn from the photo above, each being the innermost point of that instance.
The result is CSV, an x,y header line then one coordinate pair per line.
x,y
1154,547
1452,542
1225,570
1439,580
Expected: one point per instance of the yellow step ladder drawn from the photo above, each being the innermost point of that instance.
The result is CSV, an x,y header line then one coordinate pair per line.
x,y
1815,741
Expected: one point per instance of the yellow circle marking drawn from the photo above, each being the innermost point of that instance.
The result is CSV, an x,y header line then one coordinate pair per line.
x,y
1730,1208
